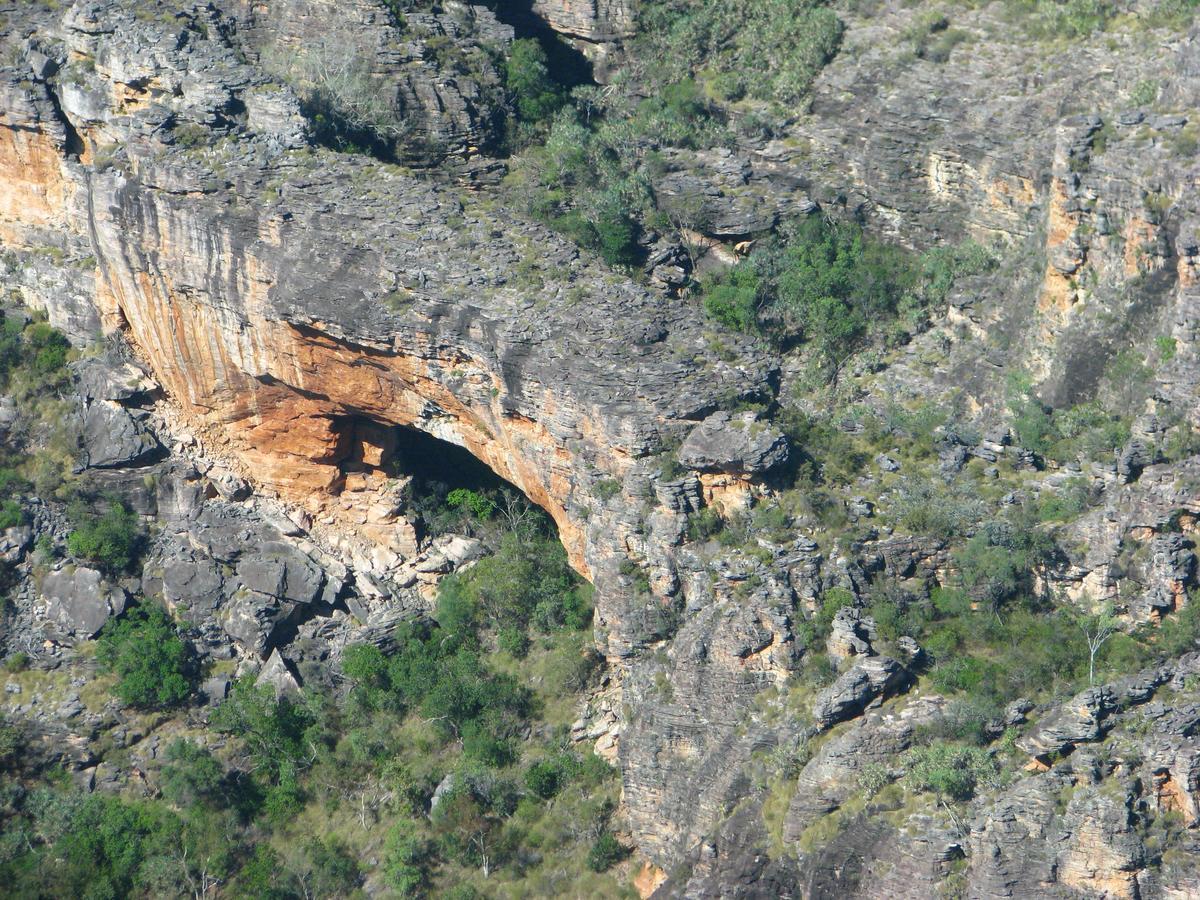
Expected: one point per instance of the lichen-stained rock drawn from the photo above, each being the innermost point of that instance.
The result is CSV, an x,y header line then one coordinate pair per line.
x,y
1103,852
282,571
855,689
435,70
111,437
1174,767
107,377
1080,720
688,706
1013,842
850,634
831,777
228,573
277,673
79,600
736,444
736,863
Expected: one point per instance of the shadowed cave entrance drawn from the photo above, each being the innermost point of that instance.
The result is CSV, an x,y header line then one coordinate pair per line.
x,y
520,585
450,489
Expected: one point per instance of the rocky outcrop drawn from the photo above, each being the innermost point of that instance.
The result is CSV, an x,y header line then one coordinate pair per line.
x,y
595,21
79,601
297,310
434,73
857,688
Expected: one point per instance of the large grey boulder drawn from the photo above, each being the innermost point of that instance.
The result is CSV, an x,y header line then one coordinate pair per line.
x,y
737,444
856,689
108,378
1080,720
14,542
278,674
192,585
281,571
850,634
112,437
79,601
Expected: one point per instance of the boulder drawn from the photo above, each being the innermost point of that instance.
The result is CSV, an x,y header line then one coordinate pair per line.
x,y
1080,720
282,571
106,377
856,689
736,444
278,674
112,437
850,634
79,601
14,542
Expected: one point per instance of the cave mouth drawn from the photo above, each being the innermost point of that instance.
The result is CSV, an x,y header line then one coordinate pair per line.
x,y
567,63
369,450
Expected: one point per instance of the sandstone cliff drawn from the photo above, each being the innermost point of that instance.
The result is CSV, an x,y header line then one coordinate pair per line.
x,y
291,306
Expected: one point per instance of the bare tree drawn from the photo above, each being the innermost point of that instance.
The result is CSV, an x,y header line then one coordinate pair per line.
x,y
335,76
689,219
1097,629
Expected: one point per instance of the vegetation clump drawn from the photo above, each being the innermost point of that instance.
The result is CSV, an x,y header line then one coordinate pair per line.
x,y
152,662
112,539
825,284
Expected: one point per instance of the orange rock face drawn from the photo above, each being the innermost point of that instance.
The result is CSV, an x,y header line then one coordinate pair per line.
x,y
33,190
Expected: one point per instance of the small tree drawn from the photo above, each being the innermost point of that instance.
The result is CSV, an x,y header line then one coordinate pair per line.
x,y
1097,629
536,94
406,857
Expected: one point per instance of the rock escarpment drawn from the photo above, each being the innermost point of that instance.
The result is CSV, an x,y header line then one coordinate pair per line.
x,y
296,306
350,295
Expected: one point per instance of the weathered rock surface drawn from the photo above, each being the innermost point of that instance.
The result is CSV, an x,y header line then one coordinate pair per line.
x,y
738,445
159,182
856,689
80,600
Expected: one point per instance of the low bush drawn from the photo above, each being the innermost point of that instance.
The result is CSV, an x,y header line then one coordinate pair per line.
x,y
441,675
950,771
606,852
111,539
829,286
153,664
766,49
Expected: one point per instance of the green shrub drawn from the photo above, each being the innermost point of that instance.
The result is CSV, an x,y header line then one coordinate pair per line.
x,y
153,664
527,582
192,775
951,771
768,49
527,75
477,504
704,524
406,859
49,348
10,742
606,488
831,287
441,675
328,869
1063,18
11,514
606,852
513,641
278,733
112,539
544,778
